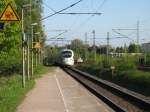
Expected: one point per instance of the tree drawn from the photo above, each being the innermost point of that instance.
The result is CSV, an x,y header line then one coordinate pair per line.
x,y
120,50
78,47
10,42
132,48
11,37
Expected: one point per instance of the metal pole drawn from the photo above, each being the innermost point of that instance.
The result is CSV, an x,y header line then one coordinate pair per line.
x,y
94,45
28,48
30,72
85,46
138,32
28,57
36,60
23,49
39,56
107,44
32,69
138,50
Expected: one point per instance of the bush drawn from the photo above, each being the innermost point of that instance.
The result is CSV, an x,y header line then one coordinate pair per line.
x,y
148,58
125,64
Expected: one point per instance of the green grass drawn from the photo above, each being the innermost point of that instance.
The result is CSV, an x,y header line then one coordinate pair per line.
x,y
11,91
135,80
40,70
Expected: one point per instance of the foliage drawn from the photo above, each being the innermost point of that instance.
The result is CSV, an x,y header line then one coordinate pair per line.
x,y
11,91
11,37
10,42
133,48
137,80
148,58
125,63
78,47
51,55
120,50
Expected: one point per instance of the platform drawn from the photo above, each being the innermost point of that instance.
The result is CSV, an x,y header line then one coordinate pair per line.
x,y
59,92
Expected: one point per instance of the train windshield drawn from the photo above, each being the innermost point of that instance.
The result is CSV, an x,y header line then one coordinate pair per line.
x,y
66,54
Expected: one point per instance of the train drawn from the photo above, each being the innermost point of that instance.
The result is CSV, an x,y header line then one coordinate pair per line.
x,y
67,57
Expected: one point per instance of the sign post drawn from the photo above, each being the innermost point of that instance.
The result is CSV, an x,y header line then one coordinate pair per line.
x,y
112,70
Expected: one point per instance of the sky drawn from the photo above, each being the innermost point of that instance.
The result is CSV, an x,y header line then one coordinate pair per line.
x,y
116,14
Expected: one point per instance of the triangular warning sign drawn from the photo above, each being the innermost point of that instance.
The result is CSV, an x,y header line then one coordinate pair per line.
x,y
37,45
9,14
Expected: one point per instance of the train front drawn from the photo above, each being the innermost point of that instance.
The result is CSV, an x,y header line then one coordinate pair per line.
x,y
67,57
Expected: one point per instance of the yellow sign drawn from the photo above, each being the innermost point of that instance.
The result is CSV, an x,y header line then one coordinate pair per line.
x,y
9,14
37,45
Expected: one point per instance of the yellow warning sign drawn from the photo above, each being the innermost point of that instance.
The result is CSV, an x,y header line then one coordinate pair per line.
x,y
37,45
9,14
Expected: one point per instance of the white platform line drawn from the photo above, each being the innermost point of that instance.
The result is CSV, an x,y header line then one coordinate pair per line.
x,y
58,84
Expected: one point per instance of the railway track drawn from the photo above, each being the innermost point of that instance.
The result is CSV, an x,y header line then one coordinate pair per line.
x,y
118,98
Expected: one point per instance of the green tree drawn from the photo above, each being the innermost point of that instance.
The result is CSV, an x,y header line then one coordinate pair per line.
x,y
11,37
78,47
132,48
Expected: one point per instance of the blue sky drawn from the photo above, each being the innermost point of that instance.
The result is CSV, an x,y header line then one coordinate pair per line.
x,y
115,14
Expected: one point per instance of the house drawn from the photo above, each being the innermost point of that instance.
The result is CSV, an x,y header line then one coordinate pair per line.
x,y
146,47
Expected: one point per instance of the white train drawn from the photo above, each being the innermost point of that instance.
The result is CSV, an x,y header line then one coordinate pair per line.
x,y
67,57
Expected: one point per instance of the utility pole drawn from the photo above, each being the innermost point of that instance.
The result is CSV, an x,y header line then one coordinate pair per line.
x,y
94,48
39,56
86,46
28,47
107,44
138,49
32,54
28,58
36,58
138,32
23,50
32,72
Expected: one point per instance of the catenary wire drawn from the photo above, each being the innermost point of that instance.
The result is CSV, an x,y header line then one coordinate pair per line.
x,y
62,10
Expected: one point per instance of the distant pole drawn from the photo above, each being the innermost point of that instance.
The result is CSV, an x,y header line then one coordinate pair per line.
x,y
94,45
85,46
138,32
107,44
138,50
23,50
85,37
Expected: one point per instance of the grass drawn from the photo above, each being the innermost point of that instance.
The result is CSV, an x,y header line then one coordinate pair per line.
x,y
11,91
40,70
134,80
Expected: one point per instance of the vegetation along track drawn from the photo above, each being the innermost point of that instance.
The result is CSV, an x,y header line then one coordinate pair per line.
x,y
118,98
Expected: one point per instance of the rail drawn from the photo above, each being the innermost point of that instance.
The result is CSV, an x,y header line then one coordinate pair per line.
x,y
127,100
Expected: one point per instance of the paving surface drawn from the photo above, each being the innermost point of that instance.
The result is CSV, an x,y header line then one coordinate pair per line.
x,y
58,92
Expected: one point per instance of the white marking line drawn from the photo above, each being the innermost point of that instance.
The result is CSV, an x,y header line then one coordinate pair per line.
x,y
58,84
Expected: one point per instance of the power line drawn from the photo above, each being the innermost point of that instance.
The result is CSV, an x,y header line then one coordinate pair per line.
x,y
90,17
74,13
71,13
61,10
49,7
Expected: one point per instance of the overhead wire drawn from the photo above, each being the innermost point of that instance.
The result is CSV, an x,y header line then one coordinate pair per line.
x,y
90,17
49,7
57,12
62,10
